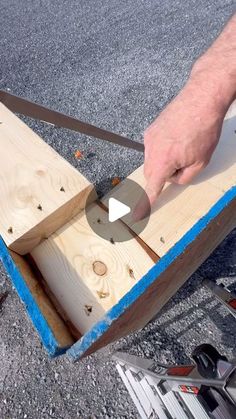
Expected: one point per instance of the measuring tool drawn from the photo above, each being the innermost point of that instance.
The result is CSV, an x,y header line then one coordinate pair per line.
x,y
203,390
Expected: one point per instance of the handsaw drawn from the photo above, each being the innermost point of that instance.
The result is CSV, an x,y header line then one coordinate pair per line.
x,y
36,111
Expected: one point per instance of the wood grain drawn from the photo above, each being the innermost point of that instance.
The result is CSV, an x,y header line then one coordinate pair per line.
x,y
69,259
31,178
179,207
150,302
88,274
54,320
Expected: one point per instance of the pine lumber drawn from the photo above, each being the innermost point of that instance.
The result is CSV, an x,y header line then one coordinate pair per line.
x,y
87,274
179,207
107,289
40,191
54,320
68,258
159,285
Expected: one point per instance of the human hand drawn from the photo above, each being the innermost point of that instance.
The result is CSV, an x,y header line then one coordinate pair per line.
x,y
180,142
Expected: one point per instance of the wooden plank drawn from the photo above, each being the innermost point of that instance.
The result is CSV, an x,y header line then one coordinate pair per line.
x,y
179,207
54,320
145,299
114,288
39,190
67,258
53,331
88,274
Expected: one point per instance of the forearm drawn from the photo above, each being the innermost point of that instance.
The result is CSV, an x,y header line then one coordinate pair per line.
x,y
214,73
181,141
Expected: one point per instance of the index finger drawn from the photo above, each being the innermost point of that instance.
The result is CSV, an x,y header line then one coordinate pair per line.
x,y
152,191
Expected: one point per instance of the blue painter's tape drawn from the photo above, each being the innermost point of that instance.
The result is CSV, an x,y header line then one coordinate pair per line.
x,y
80,347
39,321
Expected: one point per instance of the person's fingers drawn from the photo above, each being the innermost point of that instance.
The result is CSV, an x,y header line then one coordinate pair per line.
x,y
154,188
142,209
152,191
185,175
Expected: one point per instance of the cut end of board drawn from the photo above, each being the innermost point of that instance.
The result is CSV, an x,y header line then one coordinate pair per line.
x,y
40,191
87,274
23,244
102,289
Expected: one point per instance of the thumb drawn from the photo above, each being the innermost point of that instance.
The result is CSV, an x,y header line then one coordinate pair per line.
x,y
152,191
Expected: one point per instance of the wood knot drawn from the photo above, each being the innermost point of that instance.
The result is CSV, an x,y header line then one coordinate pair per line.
x,y
99,268
40,172
103,294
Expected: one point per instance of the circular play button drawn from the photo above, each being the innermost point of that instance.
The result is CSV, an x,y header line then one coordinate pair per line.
x,y
115,216
116,209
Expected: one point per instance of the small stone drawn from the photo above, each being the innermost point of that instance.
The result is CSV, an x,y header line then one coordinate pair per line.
x,y
91,155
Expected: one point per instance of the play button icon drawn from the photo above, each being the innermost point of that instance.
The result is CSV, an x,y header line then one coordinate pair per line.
x,y
113,216
117,209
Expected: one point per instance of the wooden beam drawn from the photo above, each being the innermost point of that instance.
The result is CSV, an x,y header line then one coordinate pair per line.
x,y
109,289
152,292
67,259
40,191
179,207
37,301
88,274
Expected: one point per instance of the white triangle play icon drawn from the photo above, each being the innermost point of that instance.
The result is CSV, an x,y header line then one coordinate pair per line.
x,y
116,209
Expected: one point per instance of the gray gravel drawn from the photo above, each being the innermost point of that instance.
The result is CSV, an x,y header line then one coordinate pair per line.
x,y
115,64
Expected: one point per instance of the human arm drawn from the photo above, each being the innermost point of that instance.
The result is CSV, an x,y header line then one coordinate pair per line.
x,y
180,142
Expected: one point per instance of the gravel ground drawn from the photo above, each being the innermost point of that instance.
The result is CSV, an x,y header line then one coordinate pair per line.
x,y
115,64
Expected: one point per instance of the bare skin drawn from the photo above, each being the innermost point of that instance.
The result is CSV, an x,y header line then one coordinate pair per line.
x,y
180,142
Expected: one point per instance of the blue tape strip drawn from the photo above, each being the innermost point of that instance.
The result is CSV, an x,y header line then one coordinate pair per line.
x,y
39,321
80,347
